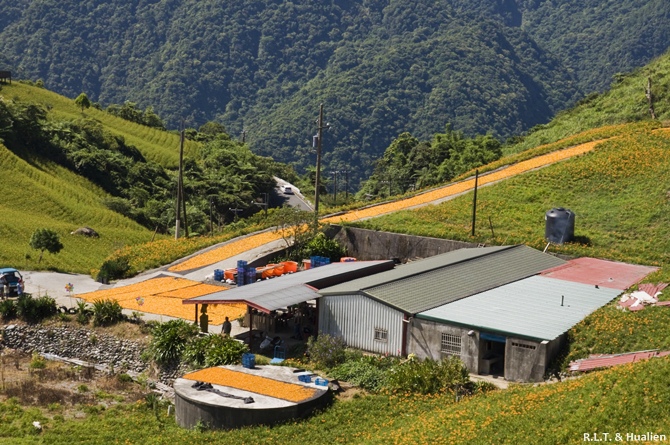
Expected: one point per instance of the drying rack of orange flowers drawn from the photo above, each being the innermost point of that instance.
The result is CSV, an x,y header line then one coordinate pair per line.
x,y
164,296
291,392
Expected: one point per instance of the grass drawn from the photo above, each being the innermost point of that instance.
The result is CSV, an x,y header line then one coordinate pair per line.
x,y
617,192
629,399
156,145
45,195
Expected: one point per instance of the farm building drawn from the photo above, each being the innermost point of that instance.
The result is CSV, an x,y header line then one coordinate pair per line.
x,y
268,300
490,306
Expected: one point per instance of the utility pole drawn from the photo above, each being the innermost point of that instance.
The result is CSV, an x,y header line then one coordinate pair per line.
x,y
211,221
179,181
265,203
334,173
474,203
317,180
346,190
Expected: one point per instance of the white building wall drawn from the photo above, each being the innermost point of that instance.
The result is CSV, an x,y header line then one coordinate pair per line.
x,y
355,318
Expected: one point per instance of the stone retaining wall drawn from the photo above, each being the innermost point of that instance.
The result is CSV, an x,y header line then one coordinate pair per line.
x,y
72,342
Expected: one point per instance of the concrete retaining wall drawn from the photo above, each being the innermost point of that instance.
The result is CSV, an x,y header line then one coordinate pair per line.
x,y
366,245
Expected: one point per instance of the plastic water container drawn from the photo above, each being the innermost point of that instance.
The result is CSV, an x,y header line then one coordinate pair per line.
x,y
241,264
218,275
305,378
321,382
248,360
240,276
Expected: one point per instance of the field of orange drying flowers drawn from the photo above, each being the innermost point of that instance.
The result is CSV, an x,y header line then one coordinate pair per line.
x,y
164,296
257,384
226,251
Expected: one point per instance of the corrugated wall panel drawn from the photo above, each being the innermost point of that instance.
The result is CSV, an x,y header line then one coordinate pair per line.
x,y
355,318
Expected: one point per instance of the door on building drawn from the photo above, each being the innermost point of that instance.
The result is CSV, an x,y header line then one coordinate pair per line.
x,y
492,354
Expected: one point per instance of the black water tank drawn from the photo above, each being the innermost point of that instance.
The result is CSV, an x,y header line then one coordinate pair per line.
x,y
560,225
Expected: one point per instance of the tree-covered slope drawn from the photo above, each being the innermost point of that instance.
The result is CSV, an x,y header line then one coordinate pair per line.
x,y
381,67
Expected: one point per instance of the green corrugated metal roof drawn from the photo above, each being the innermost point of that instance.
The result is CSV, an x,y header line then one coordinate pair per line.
x,y
438,280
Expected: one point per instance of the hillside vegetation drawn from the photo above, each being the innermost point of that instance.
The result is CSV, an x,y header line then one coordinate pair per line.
x,y
381,67
64,168
42,194
629,399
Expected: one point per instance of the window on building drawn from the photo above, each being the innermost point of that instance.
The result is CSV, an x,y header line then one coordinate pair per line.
x,y
451,344
523,346
381,334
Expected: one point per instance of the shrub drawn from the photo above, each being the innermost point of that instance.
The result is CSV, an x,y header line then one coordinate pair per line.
x,y
169,340
364,372
7,310
33,310
106,312
429,376
113,269
37,361
326,351
213,350
83,313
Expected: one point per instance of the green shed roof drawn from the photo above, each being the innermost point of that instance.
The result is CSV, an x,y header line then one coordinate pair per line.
x,y
434,281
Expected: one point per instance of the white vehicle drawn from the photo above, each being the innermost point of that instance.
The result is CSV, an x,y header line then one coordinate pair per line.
x,y
286,189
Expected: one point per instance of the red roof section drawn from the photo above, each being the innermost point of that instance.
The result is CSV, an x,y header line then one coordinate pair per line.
x,y
605,361
610,274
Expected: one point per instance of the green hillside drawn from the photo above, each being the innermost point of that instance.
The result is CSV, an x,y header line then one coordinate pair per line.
x,y
381,67
64,168
159,146
625,101
46,195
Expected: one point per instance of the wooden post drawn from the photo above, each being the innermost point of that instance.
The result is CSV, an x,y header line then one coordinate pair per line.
x,y
650,98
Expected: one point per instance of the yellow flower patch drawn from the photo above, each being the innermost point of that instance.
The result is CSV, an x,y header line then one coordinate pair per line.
x,y
226,251
257,384
164,296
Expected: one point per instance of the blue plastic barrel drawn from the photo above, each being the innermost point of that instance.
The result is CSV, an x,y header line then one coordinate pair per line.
x,y
218,275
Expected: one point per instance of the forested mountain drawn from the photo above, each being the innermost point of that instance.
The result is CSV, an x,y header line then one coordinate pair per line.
x,y
380,67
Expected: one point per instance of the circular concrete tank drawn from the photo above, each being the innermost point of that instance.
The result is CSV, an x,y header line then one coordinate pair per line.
x,y
278,396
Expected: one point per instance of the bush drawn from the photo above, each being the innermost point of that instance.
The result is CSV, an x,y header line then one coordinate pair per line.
x,y
33,310
429,376
326,351
323,246
106,312
170,339
213,350
113,269
7,310
363,372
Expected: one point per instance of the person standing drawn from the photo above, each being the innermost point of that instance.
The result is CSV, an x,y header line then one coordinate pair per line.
x,y
227,327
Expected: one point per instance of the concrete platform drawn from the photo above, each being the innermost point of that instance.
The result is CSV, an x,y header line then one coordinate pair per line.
x,y
216,411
